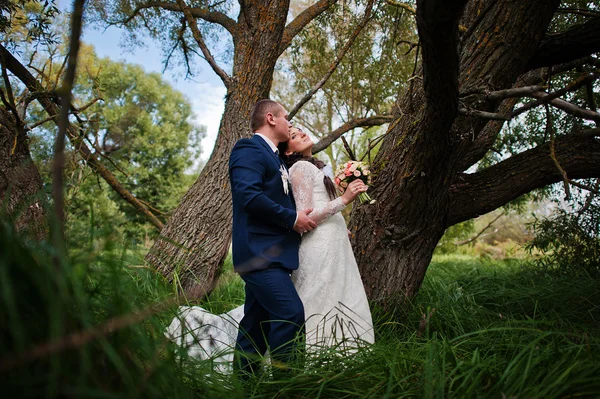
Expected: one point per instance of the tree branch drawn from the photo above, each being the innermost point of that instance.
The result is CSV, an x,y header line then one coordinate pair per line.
x,y
571,108
335,63
482,192
346,127
303,19
544,99
198,36
576,42
197,12
404,6
75,137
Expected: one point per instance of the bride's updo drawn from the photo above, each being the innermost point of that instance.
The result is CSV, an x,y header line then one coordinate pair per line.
x,y
295,157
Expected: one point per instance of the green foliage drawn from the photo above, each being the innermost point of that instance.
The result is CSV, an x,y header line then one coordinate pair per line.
x,y
476,329
27,20
143,130
569,241
454,234
366,82
73,328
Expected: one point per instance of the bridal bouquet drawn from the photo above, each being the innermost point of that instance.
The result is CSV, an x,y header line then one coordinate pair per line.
x,y
350,171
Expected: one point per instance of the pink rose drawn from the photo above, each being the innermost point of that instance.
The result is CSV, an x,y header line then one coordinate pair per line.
x,y
357,173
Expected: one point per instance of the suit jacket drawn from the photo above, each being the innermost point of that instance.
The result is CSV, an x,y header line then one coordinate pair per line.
x,y
263,214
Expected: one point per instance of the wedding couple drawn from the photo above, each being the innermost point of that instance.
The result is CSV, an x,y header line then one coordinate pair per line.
x,y
291,247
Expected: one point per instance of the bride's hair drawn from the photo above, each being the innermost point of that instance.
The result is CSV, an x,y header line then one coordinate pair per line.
x,y
295,157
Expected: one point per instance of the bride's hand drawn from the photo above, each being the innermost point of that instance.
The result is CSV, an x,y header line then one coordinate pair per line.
x,y
352,191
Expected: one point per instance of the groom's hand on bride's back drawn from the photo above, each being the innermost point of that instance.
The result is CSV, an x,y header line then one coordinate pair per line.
x,y
304,223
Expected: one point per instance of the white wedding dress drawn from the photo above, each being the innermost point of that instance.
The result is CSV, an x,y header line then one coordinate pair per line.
x,y
327,280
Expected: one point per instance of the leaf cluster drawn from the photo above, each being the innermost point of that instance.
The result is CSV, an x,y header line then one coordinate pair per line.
x,y
365,83
27,21
570,241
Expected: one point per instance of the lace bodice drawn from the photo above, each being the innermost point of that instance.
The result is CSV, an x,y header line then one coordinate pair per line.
x,y
310,192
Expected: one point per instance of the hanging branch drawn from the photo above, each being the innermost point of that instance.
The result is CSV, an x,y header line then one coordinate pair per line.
x,y
550,130
197,12
200,40
335,63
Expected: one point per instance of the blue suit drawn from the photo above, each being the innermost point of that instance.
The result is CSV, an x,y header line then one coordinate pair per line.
x,y
265,252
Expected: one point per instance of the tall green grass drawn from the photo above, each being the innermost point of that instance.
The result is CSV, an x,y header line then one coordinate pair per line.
x,y
93,327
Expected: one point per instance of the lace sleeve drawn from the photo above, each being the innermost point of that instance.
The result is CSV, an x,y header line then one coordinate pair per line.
x,y
302,177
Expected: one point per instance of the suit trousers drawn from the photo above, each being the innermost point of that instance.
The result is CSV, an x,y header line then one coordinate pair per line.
x,y
273,319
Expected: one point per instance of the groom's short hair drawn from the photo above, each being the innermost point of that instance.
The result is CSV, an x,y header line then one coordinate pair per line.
x,y
261,109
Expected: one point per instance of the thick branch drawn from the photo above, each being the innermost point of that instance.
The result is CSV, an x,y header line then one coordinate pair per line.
x,y
197,12
346,127
482,192
576,42
74,136
303,19
198,36
335,63
437,21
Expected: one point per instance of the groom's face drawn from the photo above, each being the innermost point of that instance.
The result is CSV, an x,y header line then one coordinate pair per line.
x,y
282,125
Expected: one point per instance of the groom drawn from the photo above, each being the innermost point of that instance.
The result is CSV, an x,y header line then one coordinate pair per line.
x,y
266,237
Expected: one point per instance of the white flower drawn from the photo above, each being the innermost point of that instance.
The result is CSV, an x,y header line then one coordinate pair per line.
x,y
285,178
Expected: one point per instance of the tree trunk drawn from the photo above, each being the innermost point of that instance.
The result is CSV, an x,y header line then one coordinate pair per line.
x,y
20,181
424,150
197,237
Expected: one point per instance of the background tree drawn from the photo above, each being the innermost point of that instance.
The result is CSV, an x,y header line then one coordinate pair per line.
x,y
142,129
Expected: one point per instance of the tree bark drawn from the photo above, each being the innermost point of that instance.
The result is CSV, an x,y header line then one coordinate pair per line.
x,y
423,151
20,181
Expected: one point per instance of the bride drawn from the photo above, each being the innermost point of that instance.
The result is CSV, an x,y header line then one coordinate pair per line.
x,y
327,280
